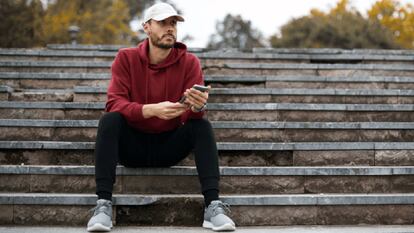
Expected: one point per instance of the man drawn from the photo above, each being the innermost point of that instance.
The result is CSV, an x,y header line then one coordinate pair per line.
x,y
147,126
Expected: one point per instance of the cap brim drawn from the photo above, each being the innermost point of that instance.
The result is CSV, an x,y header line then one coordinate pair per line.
x,y
164,16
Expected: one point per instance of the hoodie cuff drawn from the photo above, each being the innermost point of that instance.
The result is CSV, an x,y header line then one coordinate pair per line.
x,y
137,112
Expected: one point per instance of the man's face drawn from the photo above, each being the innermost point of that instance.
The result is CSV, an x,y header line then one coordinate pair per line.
x,y
163,34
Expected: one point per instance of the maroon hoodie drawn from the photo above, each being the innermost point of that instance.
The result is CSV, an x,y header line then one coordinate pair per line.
x,y
135,82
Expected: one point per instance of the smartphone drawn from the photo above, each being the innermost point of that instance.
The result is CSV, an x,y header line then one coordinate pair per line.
x,y
200,88
197,87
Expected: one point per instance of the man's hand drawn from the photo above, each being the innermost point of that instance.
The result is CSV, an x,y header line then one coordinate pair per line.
x,y
196,98
164,110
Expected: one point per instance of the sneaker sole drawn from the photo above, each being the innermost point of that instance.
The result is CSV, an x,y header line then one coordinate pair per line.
x,y
99,227
225,227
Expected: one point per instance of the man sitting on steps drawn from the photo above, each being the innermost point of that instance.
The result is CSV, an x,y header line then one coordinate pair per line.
x,y
146,124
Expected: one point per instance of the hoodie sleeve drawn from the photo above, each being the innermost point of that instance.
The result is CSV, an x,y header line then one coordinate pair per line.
x,y
193,76
119,89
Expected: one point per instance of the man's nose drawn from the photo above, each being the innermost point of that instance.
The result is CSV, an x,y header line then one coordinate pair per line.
x,y
170,29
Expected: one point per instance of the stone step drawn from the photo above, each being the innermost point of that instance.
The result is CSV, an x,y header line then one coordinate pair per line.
x,y
55,66
228,95
212,57
278,95
160,210
332,51
53,55
294,153
224,68
240,229
230,154
225,111
234,180
85,130
4,92
310,69
53,95
36,80
45,80
104,47
301,146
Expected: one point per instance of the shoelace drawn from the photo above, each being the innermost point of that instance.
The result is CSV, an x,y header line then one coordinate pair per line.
x,y
221,208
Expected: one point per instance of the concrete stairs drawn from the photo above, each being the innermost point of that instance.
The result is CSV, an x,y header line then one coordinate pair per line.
x,y
305,137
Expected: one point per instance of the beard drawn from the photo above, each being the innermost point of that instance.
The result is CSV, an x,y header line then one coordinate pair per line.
x,y
157,41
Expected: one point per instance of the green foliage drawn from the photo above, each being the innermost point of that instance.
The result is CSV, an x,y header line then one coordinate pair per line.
x,y
342,27
234,32
21,21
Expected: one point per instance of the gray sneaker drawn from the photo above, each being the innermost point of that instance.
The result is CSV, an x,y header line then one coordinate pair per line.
x,y
102,216
215,217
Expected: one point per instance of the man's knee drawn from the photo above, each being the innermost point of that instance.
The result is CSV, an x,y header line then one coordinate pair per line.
x,y
111,120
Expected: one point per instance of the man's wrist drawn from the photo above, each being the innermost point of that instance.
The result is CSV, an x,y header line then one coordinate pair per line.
x,y
148,111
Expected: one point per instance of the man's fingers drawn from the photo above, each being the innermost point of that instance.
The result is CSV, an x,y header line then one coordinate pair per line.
x,y
172,113
201,98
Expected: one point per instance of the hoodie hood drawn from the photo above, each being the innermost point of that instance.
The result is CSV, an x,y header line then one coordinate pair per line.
x,y
176,53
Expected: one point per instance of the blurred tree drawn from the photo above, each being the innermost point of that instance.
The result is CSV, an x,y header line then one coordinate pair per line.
x,y
137,7
342,27
234,32
26,24
399,19
21,22
100,21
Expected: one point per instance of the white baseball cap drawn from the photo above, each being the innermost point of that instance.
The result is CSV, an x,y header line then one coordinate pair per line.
x,y
161,11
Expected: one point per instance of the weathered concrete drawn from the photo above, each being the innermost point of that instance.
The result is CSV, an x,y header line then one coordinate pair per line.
x,y
334,158
164,214
58,95
266,95
46,157
221,98
6,215
350,215
86,157
46,83
198,229
228,184
394,157
234,180
225,135
50,215
258,54
224,171
258,112
58,114
234,200
221,124
169,211
348,184
228,145
332,51
308,115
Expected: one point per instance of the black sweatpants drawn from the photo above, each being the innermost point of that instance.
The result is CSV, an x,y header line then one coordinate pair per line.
x,y
117,142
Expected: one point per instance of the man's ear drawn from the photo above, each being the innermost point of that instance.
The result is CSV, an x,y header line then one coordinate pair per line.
x,y
146,28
